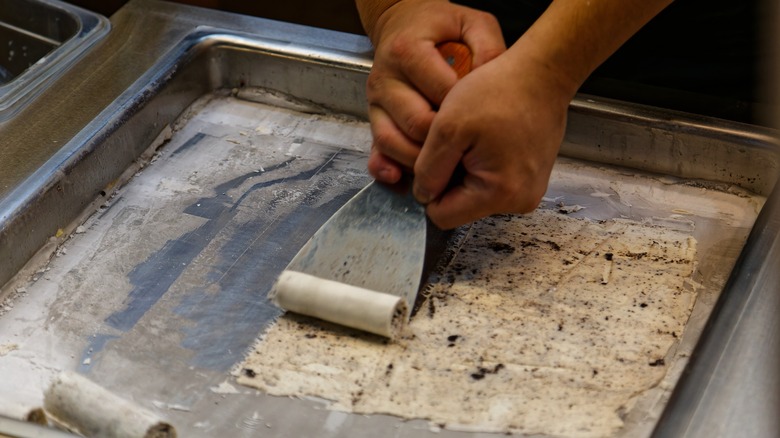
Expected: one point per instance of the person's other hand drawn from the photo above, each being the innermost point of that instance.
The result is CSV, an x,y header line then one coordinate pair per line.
x,y
409,78
504,122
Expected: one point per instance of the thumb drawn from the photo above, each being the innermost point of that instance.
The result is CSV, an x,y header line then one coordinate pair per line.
x,y
485,40
459,205
439,157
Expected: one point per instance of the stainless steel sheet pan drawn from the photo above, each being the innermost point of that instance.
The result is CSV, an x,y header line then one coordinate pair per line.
x,y
159,224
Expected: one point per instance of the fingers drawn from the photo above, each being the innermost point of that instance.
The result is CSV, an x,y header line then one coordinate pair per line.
x,y
480,197
427,71
383,168
400,116
507,147
460,205
409,81
389,140
409,110
443,150
483,36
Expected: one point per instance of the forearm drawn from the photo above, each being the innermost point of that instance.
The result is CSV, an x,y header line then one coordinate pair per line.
x,y
573,37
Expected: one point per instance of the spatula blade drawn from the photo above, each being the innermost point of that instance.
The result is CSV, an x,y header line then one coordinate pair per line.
x,y
375,241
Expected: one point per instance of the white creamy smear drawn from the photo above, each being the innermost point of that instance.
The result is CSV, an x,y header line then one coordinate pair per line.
x,y
521,334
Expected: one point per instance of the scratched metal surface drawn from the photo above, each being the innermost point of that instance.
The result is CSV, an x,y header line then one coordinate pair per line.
x,y
168,279
161,292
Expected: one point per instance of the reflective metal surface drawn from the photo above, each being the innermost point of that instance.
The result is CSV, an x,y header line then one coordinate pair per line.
x,y
39,39
731,386
64,153
50,173
375,241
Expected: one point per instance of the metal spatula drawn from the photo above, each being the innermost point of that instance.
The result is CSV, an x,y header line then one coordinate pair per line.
x,y
363,267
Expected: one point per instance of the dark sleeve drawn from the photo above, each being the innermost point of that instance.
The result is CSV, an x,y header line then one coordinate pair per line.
x,y
699,56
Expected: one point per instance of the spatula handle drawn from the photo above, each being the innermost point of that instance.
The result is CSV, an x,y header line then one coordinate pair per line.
x,y
457,55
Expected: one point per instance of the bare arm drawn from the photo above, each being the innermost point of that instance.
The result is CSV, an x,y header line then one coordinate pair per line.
x,y
508,146
576,36
370,11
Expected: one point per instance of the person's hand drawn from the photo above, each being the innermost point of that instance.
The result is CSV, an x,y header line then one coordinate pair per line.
x,y
504,123
409,78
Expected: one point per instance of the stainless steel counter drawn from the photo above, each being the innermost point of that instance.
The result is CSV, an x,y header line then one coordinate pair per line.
x,y
62,156
41,39
46,140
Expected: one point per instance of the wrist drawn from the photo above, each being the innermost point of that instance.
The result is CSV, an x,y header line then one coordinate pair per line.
x,y
547,76
375,14
370,12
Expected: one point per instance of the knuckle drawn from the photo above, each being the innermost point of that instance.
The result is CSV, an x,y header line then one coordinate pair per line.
x,y
493,53
439,93
526,201
374,83
514,196
442,221
375,161
447,130
417,126
383,141
506,195
488,19
529,204
399,48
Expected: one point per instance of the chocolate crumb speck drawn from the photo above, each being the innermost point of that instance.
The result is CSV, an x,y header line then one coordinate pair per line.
x,y
482,371
249,372
501,247
657,363
453,338
608,256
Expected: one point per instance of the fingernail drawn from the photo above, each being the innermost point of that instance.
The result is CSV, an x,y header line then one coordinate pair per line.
x,y
385,174
422,195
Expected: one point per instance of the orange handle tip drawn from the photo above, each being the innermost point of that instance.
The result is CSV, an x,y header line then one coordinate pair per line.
x,y
457,55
